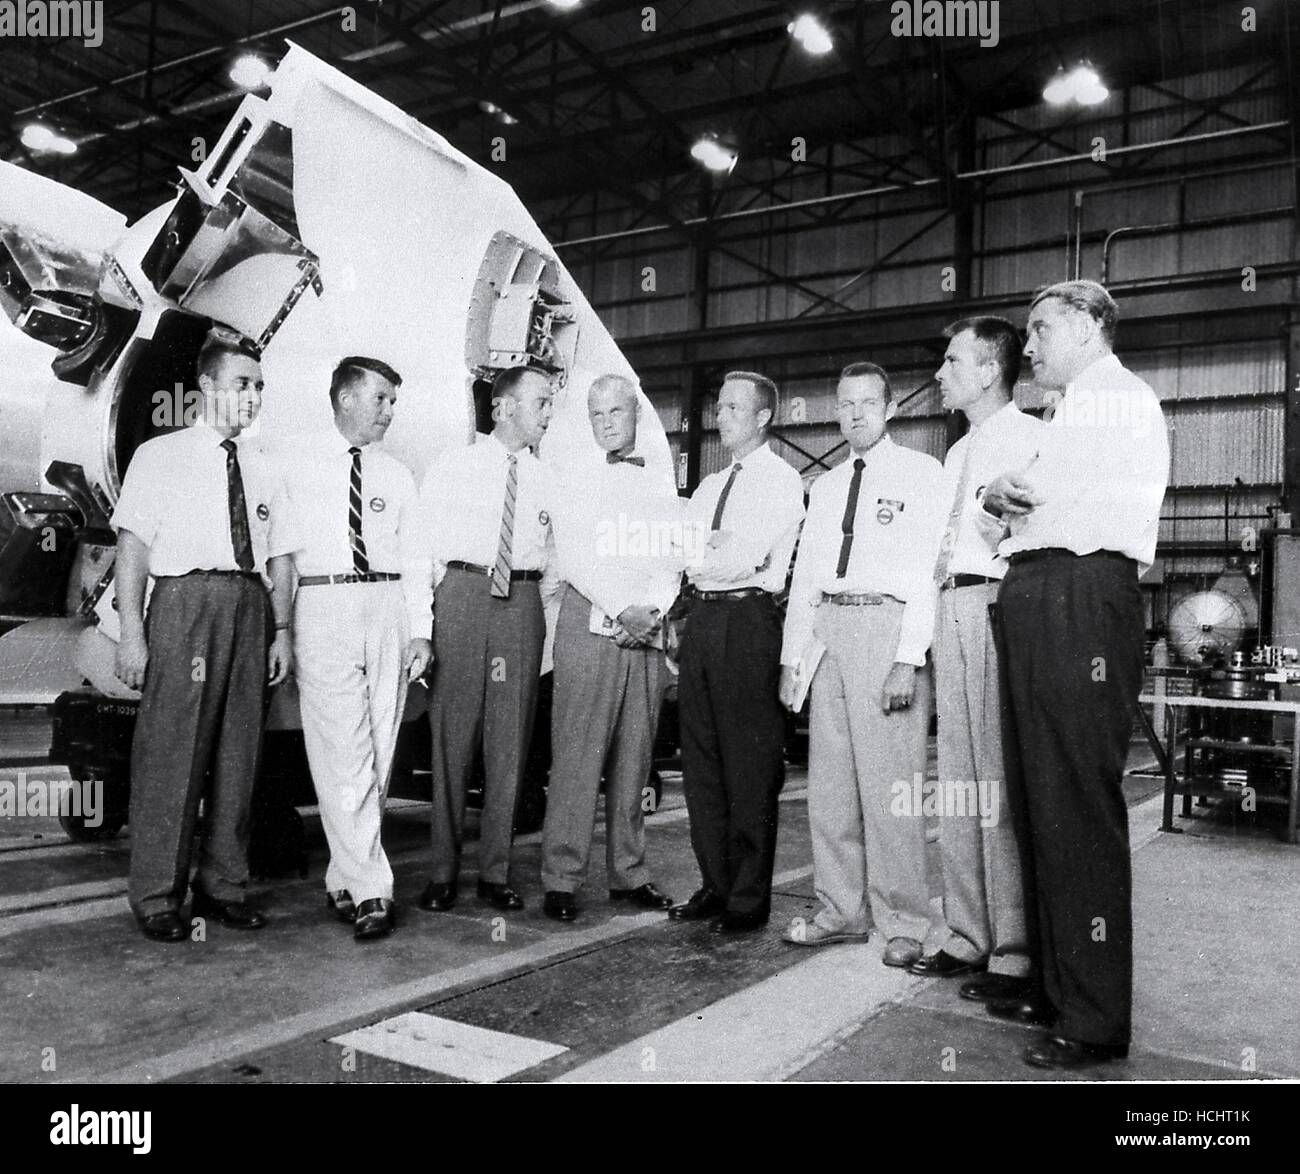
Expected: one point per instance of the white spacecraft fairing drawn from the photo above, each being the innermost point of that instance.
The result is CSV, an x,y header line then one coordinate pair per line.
x,y
323,222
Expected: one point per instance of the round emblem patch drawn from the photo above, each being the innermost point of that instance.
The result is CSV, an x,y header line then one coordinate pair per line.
x,y
544,518
884,515
377,504
263,511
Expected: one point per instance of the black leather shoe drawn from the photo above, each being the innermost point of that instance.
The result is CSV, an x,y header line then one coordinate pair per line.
x,y
560,906
499,896
704,903
374,919
231,914
438,896
1054,1051
989,987
941,964
730,923
343,905
1032,1009
643,897
164,927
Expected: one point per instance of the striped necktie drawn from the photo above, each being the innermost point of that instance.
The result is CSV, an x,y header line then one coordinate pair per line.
x,y
241,541
360,560
722,497
501,568
950,531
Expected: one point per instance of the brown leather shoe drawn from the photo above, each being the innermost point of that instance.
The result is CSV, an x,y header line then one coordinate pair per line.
x,y
343,905
941,964
1032,1009
901,952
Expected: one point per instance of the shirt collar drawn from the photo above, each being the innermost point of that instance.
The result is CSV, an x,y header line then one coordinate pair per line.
x,y
1007,409
1095,371
880,451
499,450
338,443
206,435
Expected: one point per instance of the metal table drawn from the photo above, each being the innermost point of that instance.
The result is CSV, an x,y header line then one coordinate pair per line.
x,y
1174,703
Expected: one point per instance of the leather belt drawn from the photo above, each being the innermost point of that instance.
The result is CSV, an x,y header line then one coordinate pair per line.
x,y
717,596
474,569
368,577
1029,556
966,581
214,575
855,598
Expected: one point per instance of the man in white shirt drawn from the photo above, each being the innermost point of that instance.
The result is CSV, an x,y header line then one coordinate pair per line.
x,y
858,628
206,517
488,516
1082,521
732,727
983,892
617,539
361,630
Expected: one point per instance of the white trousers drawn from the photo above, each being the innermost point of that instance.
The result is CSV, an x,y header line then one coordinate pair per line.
x,y
350,642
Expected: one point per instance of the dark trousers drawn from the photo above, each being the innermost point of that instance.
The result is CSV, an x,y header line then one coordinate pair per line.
x,y
1070,636
487,656
733,730
200,713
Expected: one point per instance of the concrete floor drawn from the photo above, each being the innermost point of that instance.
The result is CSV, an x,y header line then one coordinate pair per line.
x,y
473,995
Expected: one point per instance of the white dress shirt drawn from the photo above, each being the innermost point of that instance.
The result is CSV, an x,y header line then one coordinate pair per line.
x,y
759,527
462,501
897,529
1102,469
175,499
1008,439
619,538
319,480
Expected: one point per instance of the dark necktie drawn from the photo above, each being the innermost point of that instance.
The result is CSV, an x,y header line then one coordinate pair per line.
x,y
614,458
722,497
360,560
850,512
241,541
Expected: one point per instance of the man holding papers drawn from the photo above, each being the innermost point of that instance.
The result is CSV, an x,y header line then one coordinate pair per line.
x,y
858,627
618,540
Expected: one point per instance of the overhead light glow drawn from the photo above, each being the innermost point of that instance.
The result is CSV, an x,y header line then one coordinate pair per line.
x,y
811,34
250,72
564,5
714,155
37,137
1081,85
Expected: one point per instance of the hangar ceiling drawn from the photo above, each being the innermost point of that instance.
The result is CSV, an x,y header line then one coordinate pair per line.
x,y
597,100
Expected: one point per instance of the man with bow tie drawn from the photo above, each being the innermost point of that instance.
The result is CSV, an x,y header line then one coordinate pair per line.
x,y
617,533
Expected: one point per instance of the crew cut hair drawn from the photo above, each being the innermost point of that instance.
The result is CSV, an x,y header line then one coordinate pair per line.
x,y
1088,296
216,347
508,381
999,341
860,369
352,369
764,388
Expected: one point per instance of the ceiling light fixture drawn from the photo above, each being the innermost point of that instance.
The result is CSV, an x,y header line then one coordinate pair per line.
x,y
564,5
41,139
811,34
1082,85
250,72
714,155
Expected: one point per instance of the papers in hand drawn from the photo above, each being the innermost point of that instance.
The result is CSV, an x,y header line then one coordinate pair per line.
x,y
805,670
602,625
